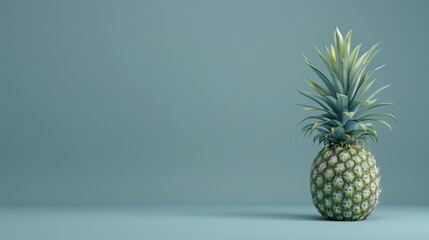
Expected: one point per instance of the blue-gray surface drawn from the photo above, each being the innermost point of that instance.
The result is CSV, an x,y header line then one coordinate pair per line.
x,y
192,101
205,222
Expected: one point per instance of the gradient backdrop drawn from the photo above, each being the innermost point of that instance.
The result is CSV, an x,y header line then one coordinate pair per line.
x,y
192,101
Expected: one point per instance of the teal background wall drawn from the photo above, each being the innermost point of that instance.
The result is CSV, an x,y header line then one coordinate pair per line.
x,y
192,101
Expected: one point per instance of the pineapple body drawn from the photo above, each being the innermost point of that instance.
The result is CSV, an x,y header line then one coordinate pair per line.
x,y
344,182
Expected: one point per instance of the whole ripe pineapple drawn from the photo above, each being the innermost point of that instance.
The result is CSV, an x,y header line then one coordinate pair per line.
x,y
344,181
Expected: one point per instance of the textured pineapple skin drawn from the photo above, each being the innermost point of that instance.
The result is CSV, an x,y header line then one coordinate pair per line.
x,y
344,183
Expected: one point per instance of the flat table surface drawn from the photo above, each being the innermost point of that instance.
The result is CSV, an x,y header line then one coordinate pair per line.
x,y
205,222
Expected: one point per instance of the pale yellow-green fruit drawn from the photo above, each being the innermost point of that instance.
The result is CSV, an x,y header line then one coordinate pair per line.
x,y
344,183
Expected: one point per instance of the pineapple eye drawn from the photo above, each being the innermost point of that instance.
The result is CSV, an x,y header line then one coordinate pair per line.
x,y
322,167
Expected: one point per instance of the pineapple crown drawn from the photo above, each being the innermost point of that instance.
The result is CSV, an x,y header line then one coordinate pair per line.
x,y
344,98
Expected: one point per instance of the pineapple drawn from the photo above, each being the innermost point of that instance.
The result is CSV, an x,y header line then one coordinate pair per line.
x,y
344,181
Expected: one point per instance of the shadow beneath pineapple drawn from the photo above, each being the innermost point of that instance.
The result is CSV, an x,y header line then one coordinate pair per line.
x,y
274,216
291,217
